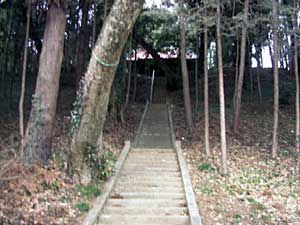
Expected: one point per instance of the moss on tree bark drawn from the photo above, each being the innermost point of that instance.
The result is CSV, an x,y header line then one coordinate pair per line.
x,y
97,85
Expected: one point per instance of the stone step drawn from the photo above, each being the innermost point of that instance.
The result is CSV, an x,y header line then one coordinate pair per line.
x,y
152,173
152,184
157,158
149,177
147,169
147,195
165,183
150,189
143,219
141,211
146,203
153,150
151,160
136,162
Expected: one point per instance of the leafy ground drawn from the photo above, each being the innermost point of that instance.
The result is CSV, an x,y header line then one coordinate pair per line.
x,y
46,194
258,190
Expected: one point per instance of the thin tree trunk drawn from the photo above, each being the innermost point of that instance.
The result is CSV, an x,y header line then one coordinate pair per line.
x,y
38,137
135,75
97,85
80,65
236,69
271,53
257,56
296,70
94,24
129,74
276,78
206,95
221,94
22,95
237,109
105,8
184,71
196,74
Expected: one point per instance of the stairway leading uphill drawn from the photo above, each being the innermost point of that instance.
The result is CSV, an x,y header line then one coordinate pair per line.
x,y
149,189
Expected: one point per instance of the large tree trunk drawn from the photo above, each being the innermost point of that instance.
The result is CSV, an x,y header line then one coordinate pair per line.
x,y
184,72
22,95
221,93
276,77
38,137
206,93
80,65
239,89
97,85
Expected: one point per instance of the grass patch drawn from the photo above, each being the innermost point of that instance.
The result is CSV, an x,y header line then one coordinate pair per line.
x,y
88,191
82,206
206,167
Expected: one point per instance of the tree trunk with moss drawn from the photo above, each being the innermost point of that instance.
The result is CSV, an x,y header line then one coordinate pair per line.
x,y
87,138
38,136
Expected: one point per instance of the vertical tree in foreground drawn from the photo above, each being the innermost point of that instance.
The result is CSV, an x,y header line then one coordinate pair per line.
x,y
221,92
22,95
97,84
276,77
240,82
184,72
38,137
206,93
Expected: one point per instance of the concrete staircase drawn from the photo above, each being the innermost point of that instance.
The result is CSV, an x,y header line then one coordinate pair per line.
x,y
151,185
148,191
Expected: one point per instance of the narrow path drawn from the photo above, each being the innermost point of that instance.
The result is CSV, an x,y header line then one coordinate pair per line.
x,y
149,189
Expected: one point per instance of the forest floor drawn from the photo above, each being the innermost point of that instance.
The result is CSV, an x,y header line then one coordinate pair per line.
x,y
46,194
258,189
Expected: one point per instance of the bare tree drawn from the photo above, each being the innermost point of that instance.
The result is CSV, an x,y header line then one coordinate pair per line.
x,y
276,77
184,71
22,95
221,93
239,89
97,84
38,136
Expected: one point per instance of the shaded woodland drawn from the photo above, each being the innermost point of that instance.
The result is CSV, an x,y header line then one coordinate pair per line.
x,y
73,87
